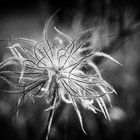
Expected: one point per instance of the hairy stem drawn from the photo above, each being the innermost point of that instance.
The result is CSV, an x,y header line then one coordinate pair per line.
x,y
55,93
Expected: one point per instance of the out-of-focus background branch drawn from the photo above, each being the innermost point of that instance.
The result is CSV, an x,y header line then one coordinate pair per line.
x,y
120,17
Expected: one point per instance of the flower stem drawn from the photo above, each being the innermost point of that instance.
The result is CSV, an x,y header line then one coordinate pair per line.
x,y
52,112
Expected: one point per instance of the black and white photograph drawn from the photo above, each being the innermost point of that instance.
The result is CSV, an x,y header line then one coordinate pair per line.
x,y
70,70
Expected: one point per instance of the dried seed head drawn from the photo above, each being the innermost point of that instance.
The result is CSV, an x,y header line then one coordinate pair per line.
x,y
48,67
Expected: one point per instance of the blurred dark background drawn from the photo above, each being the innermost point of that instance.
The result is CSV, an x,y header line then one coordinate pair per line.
x,y
26,18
